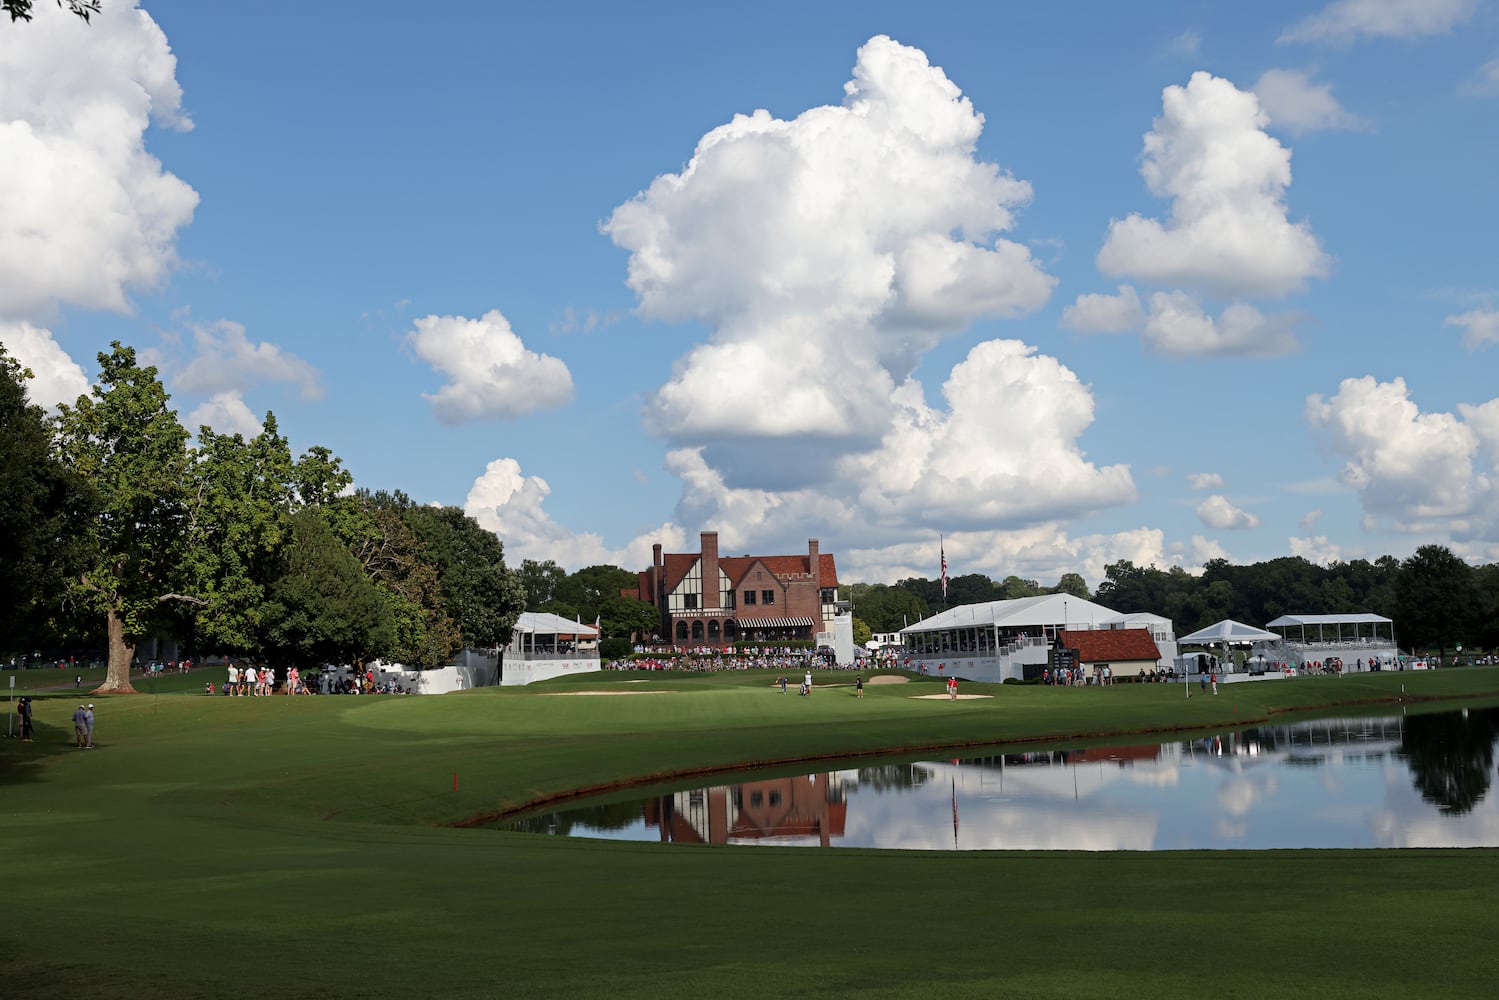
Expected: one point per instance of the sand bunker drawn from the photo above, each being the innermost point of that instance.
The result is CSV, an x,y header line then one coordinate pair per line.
x,y
888,679
944,697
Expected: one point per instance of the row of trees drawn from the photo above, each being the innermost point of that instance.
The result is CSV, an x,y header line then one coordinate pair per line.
x,y
589,595
114,518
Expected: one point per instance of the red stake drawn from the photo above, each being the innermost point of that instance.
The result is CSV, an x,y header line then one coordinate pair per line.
x,y
455,781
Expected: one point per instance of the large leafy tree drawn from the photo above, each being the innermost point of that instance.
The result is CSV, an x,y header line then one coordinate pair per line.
x,y
322,607
1436,600
242,495
239,508
626,617
41,516
478,592
542,581
884,608
374,528
127,443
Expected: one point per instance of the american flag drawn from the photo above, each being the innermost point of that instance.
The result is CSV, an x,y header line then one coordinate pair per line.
x,y
942,548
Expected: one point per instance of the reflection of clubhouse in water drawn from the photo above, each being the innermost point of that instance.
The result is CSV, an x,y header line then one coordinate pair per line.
x,y
1419,780
809,809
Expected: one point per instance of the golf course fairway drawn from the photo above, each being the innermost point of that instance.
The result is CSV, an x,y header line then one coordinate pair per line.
x,y
316,847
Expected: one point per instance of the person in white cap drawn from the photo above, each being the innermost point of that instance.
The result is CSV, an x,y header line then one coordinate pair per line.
x,y
88,723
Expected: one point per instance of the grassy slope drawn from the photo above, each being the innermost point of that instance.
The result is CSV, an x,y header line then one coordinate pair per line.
x,y
290,847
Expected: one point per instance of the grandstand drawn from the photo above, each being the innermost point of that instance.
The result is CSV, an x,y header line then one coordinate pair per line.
x,y
1362,641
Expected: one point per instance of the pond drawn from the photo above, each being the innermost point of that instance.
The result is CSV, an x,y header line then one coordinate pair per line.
x,y
1401,781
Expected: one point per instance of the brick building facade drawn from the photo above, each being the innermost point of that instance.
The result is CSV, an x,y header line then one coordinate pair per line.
x,y
709,599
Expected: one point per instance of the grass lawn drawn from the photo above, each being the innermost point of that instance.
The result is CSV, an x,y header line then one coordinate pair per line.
x,y
305,847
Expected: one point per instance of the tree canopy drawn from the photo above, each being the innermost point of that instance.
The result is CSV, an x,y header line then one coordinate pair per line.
x,y
21,10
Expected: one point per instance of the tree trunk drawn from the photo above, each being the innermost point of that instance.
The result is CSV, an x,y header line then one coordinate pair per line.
x,y
121,652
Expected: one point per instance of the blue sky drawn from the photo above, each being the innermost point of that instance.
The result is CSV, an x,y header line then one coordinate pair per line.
x,y
1058,284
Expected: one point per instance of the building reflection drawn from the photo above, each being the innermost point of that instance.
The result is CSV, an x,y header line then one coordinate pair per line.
x,y
802,810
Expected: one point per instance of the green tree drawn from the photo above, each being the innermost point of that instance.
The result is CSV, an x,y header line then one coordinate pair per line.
x,y
1436,599
590,588
626,617
240,501
127,443
1072,584
1013,587
322,607
542,581
479,593
20,10
862,632
42,516
374,528
886,609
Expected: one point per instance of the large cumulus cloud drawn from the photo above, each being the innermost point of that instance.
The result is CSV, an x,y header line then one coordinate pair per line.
x,y
826,254
1414,471
1226,235
491,372
1227,230
86,213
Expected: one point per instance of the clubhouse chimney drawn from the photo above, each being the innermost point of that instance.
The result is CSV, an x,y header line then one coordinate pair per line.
x,y
814,563
711,594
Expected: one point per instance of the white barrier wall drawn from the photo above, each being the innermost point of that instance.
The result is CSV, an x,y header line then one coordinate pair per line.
x,y
540,668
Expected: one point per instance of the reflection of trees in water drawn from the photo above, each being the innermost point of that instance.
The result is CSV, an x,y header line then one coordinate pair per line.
x,y
609,816
1451,757
893,776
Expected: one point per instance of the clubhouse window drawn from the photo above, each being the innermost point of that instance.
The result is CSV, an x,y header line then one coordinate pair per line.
x,y
749,598
767,597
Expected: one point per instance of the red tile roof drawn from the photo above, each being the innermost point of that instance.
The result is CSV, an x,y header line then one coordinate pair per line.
x,y
1112,645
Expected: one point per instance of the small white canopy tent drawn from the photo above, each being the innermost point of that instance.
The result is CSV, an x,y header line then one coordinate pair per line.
x,y
1228,631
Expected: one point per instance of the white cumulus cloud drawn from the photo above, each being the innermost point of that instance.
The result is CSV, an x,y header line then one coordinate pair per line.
x,y
1177,325
1316,549
849,240
1415,471
1480,327
1298,105
227,361
1219,513
1205,480
1227,231
56,377
226,413
86,214
1353,20
1004,453
491,372
506,501
1103,313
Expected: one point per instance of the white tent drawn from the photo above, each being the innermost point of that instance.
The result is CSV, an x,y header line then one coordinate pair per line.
x,y
1228,631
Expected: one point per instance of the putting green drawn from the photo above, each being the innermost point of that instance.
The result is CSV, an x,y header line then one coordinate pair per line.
x,y
302,847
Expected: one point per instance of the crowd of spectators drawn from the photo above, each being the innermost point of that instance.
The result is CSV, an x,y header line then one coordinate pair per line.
x,y
714,658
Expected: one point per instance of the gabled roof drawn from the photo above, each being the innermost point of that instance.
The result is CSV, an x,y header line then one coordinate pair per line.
x,y
1112,645
546,623
1363,618
1228,630
1022,612
676,566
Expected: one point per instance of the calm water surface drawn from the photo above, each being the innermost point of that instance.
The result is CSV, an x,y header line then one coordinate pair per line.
x,y
1404,781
